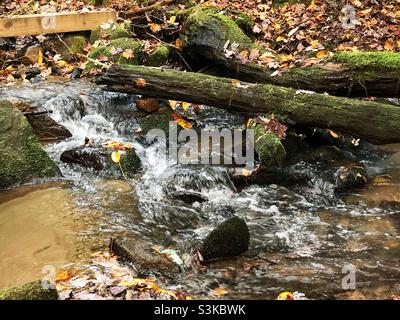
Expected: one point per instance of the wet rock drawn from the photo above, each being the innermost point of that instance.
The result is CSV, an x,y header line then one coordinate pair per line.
x,y
228,239
148,105
85,157
158,57
30,291
158,120
350,177
188,197
46,129
99,158
111,31
324,154
143,257
22,158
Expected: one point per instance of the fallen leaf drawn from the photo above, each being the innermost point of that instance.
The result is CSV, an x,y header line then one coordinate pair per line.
x,y
219,292
154,27
140,83
116,156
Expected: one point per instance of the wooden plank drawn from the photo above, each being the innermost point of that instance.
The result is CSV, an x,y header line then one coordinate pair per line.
x,y
54,23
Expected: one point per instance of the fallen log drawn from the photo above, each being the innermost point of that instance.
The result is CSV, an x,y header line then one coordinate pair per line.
x,y
376,122
352,74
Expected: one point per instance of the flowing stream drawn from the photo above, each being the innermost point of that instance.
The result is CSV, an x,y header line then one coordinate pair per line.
x,y
301,236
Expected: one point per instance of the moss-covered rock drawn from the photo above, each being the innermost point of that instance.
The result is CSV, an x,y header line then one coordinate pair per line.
x,y
22,158
207,28
123,44
112,32
268,146
72,45
244,22
228,239
157,120
159,56
30,291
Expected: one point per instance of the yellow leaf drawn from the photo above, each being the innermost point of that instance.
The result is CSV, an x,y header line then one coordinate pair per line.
x,y
219,292
314,43
398,43
285,296
286,57
186,105
172,19
40,57
116,156
280,38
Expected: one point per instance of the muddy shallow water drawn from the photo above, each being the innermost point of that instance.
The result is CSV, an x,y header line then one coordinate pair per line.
x,y
301,237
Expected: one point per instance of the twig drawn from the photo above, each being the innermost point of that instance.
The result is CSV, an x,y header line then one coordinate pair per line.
x,y
98,63
148,8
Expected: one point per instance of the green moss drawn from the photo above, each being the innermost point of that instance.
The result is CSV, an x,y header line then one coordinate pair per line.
x,y
21,155
159,57
130,162
268,146
115,31
123,44
369,60
73,44
29,291
244,22
158,120
209,28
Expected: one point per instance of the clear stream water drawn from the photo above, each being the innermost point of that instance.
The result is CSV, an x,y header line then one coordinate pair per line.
x,y
301,237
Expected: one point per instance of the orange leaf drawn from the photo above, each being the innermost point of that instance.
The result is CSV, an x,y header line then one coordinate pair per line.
x,y
63,276
154,27
140,83
219,291
322,54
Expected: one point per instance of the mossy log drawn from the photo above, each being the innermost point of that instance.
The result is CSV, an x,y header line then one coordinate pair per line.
x,y
376,122
353,74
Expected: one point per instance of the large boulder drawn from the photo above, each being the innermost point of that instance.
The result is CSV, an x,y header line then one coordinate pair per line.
x,y
30,291
143,257
22,158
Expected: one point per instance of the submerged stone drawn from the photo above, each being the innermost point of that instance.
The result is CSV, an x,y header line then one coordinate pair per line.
x,y
143,257
30,291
